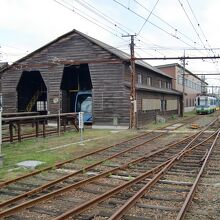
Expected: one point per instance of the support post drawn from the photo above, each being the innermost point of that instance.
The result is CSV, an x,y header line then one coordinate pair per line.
x,y
64,123
44,128
133,95
37,128
58,123
81,125
11,131
183,99
19,131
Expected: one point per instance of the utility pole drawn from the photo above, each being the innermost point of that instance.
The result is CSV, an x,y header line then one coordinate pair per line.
x,y
133,95
183,99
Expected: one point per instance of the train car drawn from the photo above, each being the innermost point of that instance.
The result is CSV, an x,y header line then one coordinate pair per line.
x,y
217,103
205,104
83,103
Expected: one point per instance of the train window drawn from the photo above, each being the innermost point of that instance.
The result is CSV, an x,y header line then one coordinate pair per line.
x,y
84,103
203,102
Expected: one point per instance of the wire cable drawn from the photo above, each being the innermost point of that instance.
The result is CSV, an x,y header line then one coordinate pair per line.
x,y
88,18
169,25
200,27
148,17
158,27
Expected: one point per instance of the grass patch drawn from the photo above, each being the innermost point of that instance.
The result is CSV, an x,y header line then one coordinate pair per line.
x,y
169,120
66,146
51,149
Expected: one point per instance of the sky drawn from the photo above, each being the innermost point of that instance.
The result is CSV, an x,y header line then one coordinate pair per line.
x,y
163,28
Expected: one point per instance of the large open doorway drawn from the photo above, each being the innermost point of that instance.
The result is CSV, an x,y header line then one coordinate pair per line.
x,y
32,92
76,86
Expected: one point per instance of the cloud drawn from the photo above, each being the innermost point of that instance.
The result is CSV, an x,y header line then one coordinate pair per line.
x,y
30,24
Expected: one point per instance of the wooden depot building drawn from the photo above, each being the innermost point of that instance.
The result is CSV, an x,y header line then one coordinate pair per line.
x,y
76,72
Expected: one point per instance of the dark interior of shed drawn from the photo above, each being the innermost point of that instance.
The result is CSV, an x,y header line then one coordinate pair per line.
x,y
32,92
76,79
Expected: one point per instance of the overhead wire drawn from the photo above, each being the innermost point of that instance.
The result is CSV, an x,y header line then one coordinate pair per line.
x,y
148,17
198,24
102,15
191,23
110,47
115,23
155,25
194,28
165,22
162,48
119,24
162,29
88,18
207,49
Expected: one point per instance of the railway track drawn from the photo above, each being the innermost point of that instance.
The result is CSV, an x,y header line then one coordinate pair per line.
x,y
121,162
206,203
105,150
30,131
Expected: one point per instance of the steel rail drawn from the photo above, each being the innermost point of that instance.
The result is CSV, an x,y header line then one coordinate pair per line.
x,y
40,188
125,207
57,165
166,165
108,194
190,195
14,209
83,182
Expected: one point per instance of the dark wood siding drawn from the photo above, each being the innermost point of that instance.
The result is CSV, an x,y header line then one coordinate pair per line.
x,y
108,93
108,89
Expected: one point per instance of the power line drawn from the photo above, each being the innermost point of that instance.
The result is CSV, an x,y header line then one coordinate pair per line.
x,y
191,23
179,58
199,26
148,17
165,22
169,26
86,18
158,27
194,28
103,16
110,20
181,48
100,14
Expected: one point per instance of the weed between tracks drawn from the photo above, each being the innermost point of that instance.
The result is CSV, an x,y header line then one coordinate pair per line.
x,y
54,149
51,150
